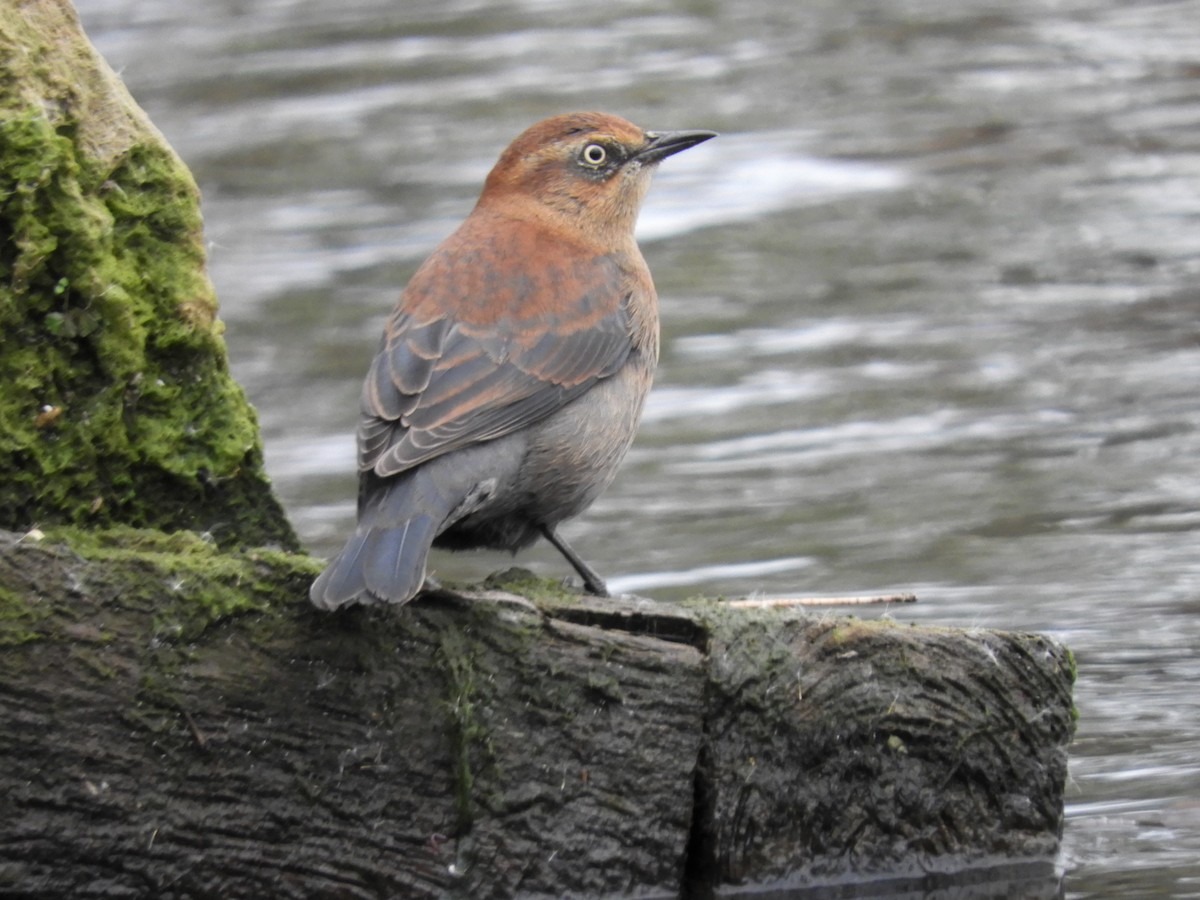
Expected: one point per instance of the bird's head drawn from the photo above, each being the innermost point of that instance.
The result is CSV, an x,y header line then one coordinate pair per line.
x,y
591,169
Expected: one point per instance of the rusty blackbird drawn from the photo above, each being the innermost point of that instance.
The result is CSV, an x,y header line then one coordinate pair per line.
x,y
512,373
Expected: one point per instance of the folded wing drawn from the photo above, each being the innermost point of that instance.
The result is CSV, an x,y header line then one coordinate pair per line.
x,y
452,371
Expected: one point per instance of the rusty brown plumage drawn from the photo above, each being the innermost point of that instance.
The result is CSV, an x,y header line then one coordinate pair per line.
x,y
512,373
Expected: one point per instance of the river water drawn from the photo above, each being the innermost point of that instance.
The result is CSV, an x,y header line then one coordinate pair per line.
x,y
930,304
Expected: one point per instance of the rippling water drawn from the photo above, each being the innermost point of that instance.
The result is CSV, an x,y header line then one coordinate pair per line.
x,y
930,303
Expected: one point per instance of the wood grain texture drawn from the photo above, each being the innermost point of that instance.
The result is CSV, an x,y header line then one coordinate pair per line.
x,y
178,722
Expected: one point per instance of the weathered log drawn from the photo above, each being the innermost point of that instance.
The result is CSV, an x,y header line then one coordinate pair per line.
x,y
839,748
177,722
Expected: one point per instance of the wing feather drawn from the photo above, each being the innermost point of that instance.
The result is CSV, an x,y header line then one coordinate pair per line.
x,y
470,375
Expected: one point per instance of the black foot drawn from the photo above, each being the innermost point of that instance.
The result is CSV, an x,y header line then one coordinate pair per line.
x,y
593,582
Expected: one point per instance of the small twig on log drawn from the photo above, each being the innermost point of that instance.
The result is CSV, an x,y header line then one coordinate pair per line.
x,y
775,602
197,735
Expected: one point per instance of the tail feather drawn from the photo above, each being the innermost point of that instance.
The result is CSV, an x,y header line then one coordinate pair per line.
x,y
384,561
342,581
377,565
393,563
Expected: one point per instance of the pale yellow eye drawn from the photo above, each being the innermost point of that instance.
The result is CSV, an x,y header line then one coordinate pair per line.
x,y
594,155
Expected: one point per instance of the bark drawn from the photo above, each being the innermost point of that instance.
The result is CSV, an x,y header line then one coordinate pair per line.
x,y
175,721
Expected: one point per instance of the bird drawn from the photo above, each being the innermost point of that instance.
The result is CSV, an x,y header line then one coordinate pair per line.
x,y
511,376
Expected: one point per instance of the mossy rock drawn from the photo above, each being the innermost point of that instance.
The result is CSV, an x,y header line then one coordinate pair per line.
x,y
118,406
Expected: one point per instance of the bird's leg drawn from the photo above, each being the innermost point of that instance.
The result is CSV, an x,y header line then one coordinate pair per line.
x,y
593,582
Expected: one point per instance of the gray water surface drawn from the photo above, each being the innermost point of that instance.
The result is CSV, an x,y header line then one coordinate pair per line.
x,y
930,304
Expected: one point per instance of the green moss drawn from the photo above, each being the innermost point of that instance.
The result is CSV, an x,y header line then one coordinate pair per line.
x,y
94,664
606,688
1073,669
468,735
180,582
1072,664
896,744
532,587
208,585
18,620
118,405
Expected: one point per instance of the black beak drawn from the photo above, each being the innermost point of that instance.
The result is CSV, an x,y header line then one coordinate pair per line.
x,y
661,144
